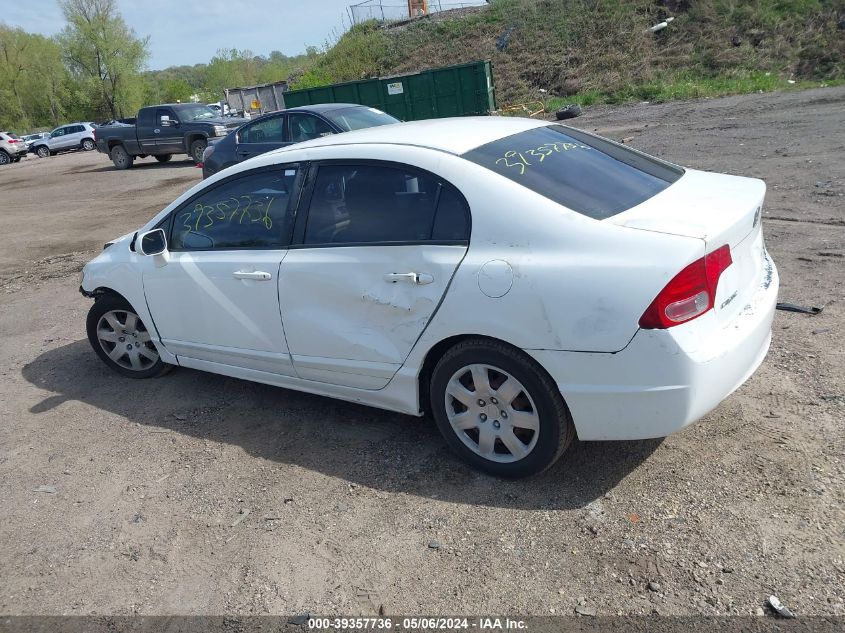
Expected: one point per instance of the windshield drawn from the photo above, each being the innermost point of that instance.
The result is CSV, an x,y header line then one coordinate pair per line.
x,y
349,119
582,172
196,113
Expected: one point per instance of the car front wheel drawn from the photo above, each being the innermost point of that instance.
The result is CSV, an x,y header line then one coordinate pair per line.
x,y
42,152
121,339
499,410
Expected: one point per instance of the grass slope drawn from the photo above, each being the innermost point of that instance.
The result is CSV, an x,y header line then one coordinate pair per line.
x,y
592,51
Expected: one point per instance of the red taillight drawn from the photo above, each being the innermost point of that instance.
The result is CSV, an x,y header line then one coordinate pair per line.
x,y
690,293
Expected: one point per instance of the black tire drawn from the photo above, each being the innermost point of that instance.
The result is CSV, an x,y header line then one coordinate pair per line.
x,y
163,158
43,151
555,430
114,303
121,158
88,145
568,112
5,159
197,148
16,159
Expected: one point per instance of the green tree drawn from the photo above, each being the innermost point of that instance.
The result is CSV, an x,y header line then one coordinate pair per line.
x,y
33,80
173,90
104,55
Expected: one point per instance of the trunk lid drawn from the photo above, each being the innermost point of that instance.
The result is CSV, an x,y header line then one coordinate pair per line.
x,y
717,209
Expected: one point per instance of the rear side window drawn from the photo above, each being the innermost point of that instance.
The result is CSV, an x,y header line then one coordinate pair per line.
x,y
249,211
377,204
348,119
304,127
582,172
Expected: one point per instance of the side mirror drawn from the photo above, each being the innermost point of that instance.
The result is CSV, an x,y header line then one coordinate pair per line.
x,y
152,242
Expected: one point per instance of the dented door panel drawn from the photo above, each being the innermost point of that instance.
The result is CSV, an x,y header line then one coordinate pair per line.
x,y
350,318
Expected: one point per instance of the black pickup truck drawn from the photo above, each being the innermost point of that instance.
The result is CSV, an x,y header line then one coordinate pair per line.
x,y
164,130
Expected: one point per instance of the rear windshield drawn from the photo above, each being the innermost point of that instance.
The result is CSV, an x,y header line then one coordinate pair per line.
x,y
349,119
585,173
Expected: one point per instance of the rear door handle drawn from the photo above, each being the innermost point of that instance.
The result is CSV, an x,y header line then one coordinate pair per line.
x,y
421,279
256,275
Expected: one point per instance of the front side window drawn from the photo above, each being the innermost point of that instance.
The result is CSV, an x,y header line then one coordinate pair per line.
x,y
582,172
58,132
304,127
354,204
250,211
162,114
265,131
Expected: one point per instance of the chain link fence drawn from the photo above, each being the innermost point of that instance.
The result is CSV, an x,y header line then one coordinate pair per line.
x,y
392,10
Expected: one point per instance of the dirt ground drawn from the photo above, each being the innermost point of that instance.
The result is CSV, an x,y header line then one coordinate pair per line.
x,y
199,494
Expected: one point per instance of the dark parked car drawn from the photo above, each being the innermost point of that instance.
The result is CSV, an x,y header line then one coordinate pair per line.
x,y
164,130
286,127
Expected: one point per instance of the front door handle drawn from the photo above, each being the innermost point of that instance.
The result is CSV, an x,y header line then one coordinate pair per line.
x,y
255,275
421,279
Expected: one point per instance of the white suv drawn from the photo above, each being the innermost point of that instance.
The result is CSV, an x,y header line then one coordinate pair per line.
x,y
65,139
12,148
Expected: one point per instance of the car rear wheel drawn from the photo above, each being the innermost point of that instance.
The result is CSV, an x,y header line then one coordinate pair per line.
x,y
43,151
163,158
197,149
121,158
121,339
499,410
16,159
88,145
4,158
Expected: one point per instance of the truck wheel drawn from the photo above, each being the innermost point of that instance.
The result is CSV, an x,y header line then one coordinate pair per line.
x,y
88,145
197,149
163,158
42,151
121,158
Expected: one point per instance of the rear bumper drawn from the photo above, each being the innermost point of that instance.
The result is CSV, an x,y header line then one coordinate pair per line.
x,y
664,380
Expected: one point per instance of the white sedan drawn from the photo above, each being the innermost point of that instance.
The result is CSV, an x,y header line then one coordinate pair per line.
x,y
521,281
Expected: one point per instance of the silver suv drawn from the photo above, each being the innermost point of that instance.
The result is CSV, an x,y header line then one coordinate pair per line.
x,y
12,149
66,138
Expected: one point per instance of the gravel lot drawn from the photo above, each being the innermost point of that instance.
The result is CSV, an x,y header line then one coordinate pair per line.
x,y
195,493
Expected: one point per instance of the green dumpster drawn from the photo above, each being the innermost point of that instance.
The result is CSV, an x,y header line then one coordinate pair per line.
x,y
461,90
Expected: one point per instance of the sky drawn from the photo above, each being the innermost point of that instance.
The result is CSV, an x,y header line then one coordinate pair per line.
x,y
191,31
